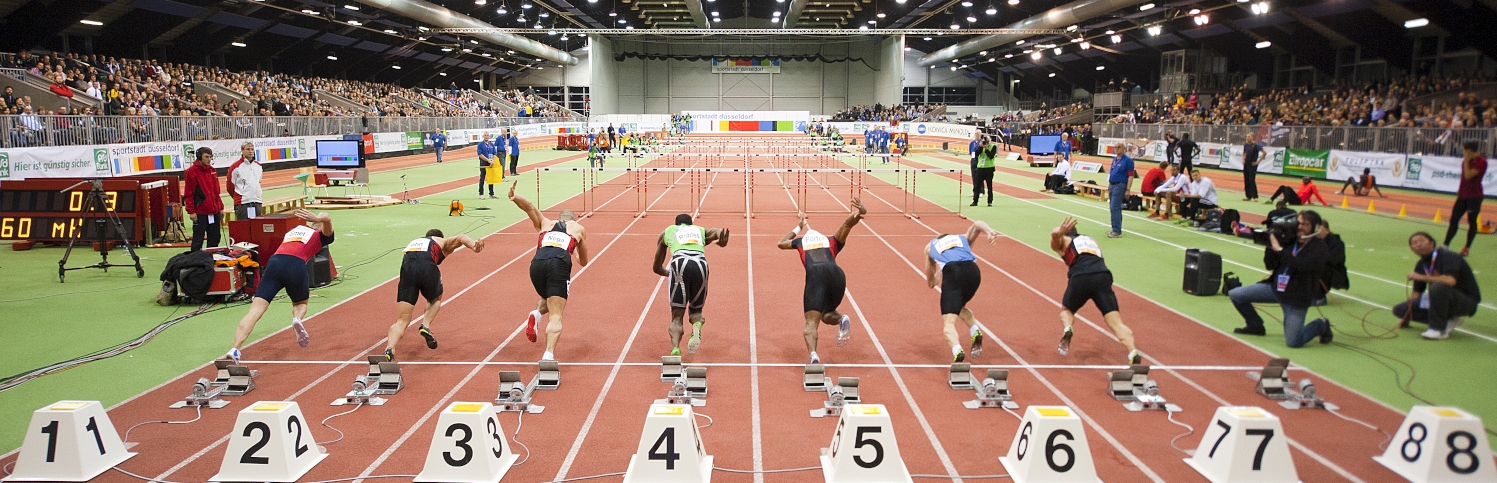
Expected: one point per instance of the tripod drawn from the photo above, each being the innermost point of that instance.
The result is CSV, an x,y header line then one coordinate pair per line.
x,y
103,219
407,194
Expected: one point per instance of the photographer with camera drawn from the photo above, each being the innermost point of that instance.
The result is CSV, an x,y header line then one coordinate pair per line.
x,y
1445,290
1294,281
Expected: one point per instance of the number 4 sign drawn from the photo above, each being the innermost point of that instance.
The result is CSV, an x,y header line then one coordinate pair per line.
x,y
1440,444
469,446
863,448
670,448
1244,444
1050,447
270,442
69,441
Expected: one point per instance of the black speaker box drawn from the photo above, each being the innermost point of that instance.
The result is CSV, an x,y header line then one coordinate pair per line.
x,y
1203,272
320,269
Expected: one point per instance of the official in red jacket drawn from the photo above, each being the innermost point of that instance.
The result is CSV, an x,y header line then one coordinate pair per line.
x,y
203,201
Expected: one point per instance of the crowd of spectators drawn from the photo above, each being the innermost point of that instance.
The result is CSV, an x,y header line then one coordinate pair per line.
x,y
882,113
531,105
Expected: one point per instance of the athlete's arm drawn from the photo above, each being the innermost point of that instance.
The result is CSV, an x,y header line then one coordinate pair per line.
x,y
932,276
719,235
1058,238
450,245
581,236
323,218
785,241
981,227
659,264
535,215
852,220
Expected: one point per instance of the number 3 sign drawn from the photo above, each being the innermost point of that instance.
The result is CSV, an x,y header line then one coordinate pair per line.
x,y
469,446
1440,444
270,442
1051,446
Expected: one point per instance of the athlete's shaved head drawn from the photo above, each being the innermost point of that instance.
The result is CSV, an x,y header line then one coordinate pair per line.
x,y
567,215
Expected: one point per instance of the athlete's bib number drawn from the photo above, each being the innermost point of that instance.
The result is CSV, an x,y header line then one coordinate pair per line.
x,y
299,234
556,239
1085,244
419,245
689,236
814,240
948,242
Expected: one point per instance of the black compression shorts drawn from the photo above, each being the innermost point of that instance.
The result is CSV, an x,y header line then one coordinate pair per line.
x,y
688,281
825,284
424,279
1096,287
551,276
959,282
284,272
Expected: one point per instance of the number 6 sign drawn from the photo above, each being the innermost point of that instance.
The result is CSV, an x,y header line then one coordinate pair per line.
x,y
270,442
1051,446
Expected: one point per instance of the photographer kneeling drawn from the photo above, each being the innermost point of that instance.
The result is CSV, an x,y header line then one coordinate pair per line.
x,y
1294,283
1445,290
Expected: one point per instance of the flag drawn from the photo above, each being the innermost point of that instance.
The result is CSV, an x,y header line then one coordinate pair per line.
x,y
1445,136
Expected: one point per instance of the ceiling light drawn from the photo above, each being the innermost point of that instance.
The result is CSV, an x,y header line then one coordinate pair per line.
x,y
1101,67
901,2
511,52
1117,39
1020,42
1013,2
474,42
1264,44
991,10
716,19
880,15
1028,50
872,22
563,36
545,14
351,7
1202,19
421,38
1086,45
354,23
1052,74
955,26
480,2
1154,30
990,59
468,50
525,6
1077,40
1072,28
714,13
983,53
1057,51
622,21
1195,11
388,31
1035,56
537,26
1259,8
592,1
521,19
447,49
907,49
971,19
1110,32
927,39
862,27
502,11
423,29
1412,24
396,67
1008,56
332,57
91,22
237,44
628,27
953,68
966,3
309,11
1146,7
613,14
777,13
443,74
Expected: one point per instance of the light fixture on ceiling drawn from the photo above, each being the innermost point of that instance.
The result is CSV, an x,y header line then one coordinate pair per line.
x,y
1101,67
510,52
1416,23
354,23
1195,11
422,28
955,26
1264,44
309,11
983,53
388,31
880,15
525,5
1013,2
1020,42
563,37
927,39
1072,28
967,3
1052,74
396,67
612,13
502,10
447,49
1036,55
907,49
421,38
443,74
622,21
1008,56
1155,30
901,2
486,54
777,13
468,50
872,22
717,19
1259,8
628,27
1117,39
1086,46
1146,7
521,19
862,27
714,13
990,59
95,23
238,44
953,68
332,57
1110,32
474,42
480,2
1202,19
351,7
1057,51
971,19
1077,40
545,14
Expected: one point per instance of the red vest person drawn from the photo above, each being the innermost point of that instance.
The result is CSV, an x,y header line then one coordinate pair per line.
x,y
202,199
287,269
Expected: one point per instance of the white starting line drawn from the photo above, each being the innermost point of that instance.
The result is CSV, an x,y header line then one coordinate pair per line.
x,y
789,364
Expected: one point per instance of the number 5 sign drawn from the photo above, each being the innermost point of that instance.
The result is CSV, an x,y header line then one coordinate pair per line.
x,y
1440,444
270,442
1051,447
69,441
863,448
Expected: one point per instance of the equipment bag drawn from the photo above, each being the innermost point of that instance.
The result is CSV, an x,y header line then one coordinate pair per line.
x,y
1229,282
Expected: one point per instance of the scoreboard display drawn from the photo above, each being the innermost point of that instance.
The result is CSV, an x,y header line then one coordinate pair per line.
x,y
47,210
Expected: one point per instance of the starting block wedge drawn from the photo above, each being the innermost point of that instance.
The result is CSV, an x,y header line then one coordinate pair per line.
x,y
864,448
670,448
993,393
549,377
696,382
362,393
1439,444
1244,443
1273,382
515,395
1050,447
270,442
384,376
670,368
838,397
204,394
469,446
69,441
815,378
1125,385
960,376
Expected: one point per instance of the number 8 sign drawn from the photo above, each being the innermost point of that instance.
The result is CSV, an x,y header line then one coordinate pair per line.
x,y
270,442
1440,444
1050,446
469,446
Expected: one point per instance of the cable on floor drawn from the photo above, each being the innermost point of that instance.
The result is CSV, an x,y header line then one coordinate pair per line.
x,y
964,477
1387,438
709,420
1188,431
137,425
1016,415
761,472
340,433
516,438
579,478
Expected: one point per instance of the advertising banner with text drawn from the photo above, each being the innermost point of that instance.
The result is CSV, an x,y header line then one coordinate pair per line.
x,y
937,129
1306,162
1441,173
1388,168
802,116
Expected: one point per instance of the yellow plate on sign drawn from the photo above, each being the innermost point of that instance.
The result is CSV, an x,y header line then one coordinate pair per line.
x,y
1248,413
669,410
68,406
866,410
1446,412
1054,412
270,406
466,407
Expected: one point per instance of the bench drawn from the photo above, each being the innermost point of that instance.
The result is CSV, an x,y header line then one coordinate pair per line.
x,y
1094,191
284,204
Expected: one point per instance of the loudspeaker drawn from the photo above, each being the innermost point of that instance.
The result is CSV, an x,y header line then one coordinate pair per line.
x,y
320,270
1203,272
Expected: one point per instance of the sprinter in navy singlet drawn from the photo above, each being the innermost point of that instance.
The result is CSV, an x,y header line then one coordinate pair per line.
x,y
421,276
551,269
1089,280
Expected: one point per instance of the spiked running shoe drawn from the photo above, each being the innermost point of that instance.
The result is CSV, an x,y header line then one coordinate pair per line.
x,y
959,357
1135,357
302,338
389,355
815,359
675,351
234,355
1065,342
431,340
535,316
844,331
696,338
977,343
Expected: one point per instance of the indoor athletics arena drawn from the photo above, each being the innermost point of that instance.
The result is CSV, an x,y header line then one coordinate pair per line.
x,y
682,241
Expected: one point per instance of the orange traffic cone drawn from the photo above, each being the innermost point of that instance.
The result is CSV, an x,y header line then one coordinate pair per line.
x,y
1403,210
1344,204
1369,207
1437,216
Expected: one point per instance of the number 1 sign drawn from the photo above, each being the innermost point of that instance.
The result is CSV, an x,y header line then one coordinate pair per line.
x,y
270,442
69,441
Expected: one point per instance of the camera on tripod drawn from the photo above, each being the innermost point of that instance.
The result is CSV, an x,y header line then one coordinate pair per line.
x,y
1285,227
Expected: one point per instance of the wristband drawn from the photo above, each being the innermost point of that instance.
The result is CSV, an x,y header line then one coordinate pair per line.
x,y
795,230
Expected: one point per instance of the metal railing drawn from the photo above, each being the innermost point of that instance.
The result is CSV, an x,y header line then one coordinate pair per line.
x,y
18,74
1405,140
31,131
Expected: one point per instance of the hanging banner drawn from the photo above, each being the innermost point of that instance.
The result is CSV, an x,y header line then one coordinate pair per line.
x,y
937,129
1230,157
1388,168
1441,173
745,66
54,162
389,142
414,141
1306,162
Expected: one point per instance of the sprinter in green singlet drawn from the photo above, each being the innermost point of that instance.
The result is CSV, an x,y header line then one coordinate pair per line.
x,y
687,275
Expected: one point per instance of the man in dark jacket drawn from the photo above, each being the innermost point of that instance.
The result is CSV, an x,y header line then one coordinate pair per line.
x,y
1294,284
202,199
1188,151
1445,290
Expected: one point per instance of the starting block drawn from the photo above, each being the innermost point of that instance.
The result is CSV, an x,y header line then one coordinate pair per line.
x,y
204,394
69,441
864,448
838,397
515,395
960,376
1126,385
362,393
1306,398
385,375
1439,444
236,380
549,377
270,442
469,446
815,378
1273,382
1244,444
669,427
1050,447
993,393
696,382
1148,398
670,368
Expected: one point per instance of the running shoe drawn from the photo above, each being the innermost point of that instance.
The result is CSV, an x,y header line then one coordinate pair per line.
x,y
1327,335
1065,342
1135,357
960,356
815,359
535,316
696,338
234,355
977,343
389,355
1465,251
302,338
431,340
675,351
1455,323
1434,334
844,331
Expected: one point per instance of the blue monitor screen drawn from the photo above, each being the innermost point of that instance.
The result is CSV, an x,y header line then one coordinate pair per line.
x,y
340,154
1043,143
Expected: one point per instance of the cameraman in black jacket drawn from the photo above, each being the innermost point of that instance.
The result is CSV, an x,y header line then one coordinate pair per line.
x,y
1295,282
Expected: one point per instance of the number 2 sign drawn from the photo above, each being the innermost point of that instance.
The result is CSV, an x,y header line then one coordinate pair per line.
x,y
270,442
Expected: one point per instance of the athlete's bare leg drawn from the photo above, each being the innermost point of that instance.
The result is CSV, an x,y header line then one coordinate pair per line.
x,y
403,312
1125,335
247,324
554,307
812,319
676,329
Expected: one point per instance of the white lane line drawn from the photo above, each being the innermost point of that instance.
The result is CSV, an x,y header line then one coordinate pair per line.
x,y
754,357
790,364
